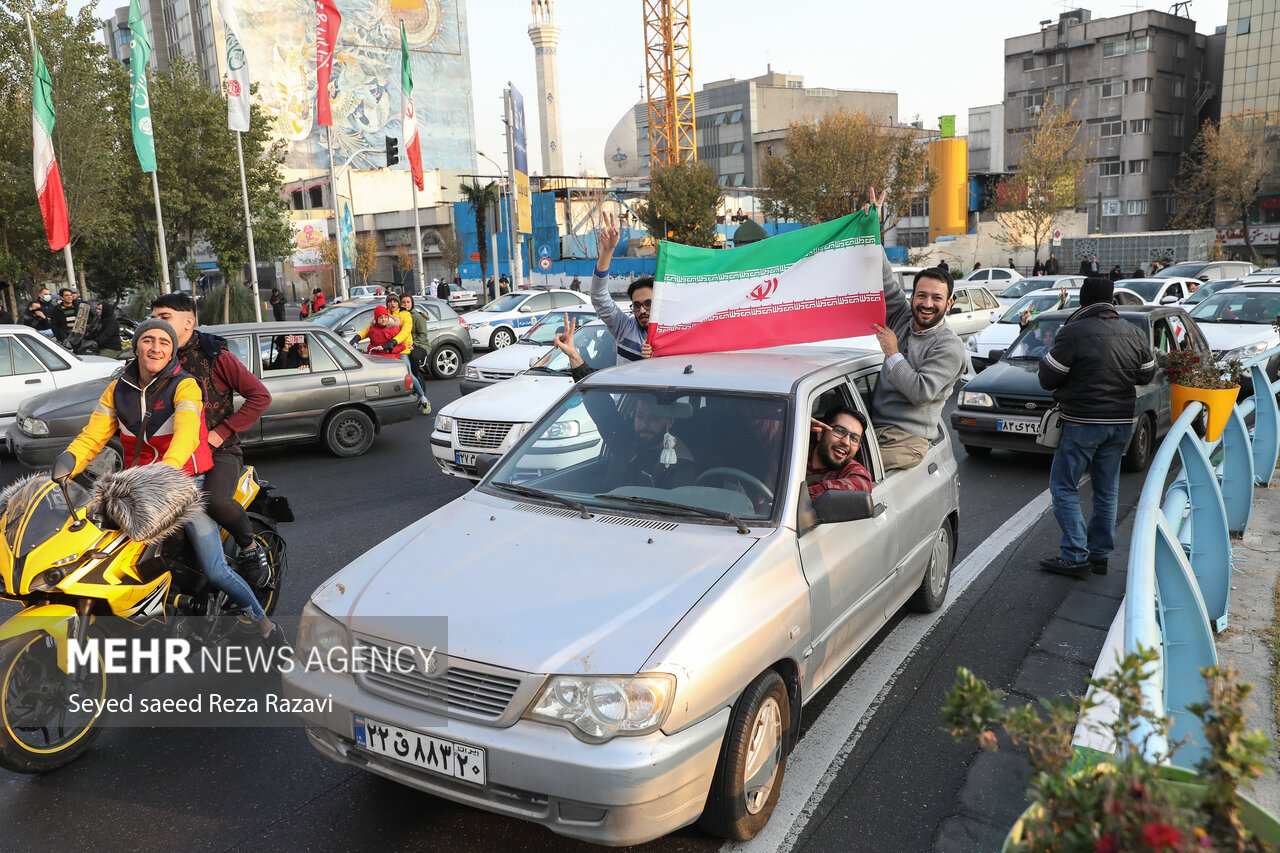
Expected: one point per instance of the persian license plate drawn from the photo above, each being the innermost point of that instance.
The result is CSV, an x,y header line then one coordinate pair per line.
x,y
467,459
1030,427
444,757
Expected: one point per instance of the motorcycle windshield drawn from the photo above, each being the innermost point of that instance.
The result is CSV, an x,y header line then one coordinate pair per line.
x,y
46,518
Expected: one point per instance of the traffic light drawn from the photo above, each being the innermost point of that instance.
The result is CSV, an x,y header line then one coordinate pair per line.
x,y
393,151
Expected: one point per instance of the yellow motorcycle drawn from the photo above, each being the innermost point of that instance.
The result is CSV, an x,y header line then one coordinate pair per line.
x,y
97,565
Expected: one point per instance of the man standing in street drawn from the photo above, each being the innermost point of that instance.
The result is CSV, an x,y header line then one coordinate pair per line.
x,y
277,304
1092,369
1051,265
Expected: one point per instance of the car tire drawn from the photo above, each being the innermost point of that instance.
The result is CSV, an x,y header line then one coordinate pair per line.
x,y
753,761
937,575
976,450
348,432
502,337
1141,447
446,362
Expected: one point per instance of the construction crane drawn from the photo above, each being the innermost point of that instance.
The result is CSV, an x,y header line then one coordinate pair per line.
x,y
668,54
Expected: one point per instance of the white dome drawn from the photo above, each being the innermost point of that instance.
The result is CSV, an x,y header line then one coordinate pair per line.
x,y
621,157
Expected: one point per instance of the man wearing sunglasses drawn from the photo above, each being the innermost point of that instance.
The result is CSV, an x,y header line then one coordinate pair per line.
x,y
629,331
833,463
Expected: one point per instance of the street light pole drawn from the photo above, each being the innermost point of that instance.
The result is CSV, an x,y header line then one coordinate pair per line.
x,y
511,236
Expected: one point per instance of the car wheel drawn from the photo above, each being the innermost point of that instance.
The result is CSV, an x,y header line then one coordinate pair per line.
x,y
502,338
937,577
753,760
446,362
975,450
349,432
1141,446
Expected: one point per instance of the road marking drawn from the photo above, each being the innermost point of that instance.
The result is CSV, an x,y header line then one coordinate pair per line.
x,y
828,742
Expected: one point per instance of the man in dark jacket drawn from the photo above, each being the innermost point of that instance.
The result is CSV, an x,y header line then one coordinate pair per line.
x,y
1093,368
1085,266
1051,265
277,304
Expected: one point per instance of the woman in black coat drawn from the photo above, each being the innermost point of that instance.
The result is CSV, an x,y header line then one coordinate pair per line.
x,y
107,336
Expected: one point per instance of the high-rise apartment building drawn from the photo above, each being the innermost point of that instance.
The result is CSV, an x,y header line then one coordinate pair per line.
x,y
185,30
1251,86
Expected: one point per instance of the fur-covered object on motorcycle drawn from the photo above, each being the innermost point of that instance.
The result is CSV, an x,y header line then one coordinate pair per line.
x,y
148,502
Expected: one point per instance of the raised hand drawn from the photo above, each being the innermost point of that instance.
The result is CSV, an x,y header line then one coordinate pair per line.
x,y
817,427
877,203
563,341
606,238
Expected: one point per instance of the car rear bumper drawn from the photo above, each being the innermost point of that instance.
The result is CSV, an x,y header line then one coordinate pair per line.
x,y
625,791
978,429
394,410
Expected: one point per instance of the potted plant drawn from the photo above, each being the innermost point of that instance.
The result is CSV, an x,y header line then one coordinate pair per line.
x,y
1116,804
1216,383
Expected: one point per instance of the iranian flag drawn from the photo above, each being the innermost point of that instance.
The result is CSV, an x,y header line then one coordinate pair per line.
x,y
53,204
408,116
816,284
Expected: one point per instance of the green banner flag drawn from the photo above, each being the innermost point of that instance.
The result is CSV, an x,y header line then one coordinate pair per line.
x,y
948,125
140,102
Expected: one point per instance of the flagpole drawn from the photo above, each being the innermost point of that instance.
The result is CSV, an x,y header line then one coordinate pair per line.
x,y
339,283
248,227
165,286
417,236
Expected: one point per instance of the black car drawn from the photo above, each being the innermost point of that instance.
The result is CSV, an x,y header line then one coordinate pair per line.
x,y
1001,408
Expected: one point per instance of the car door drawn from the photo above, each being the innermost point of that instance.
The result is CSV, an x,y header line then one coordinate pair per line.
x,y
531,311
23,376
305,383
986,307
1174,289
960,317
849,566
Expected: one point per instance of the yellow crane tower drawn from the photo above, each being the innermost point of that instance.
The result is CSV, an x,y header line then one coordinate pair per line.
x,y
668,54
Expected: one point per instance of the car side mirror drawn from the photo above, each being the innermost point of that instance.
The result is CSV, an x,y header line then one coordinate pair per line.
x,y
345,328
1203,277
534,360
525,309
1169,300
995,318
995,355
484,464
836,505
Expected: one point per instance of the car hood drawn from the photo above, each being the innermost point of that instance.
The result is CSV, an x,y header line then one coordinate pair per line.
x,y
1015,378
528,591
520,399
514,357
69,406
997,335
1228,336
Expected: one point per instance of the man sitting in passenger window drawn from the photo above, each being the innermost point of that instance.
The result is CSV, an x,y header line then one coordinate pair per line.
x,y
644,453
837,435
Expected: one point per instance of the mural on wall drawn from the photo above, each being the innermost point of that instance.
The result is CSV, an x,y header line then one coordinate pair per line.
x,y
279,39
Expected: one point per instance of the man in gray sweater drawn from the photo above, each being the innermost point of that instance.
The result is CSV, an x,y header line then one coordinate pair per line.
x,y
923,359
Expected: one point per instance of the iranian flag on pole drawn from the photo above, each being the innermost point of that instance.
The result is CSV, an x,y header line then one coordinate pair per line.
x,y
408,116
815,284
53,204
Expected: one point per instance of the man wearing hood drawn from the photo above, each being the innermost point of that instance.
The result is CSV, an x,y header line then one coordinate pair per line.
x,y
1092,369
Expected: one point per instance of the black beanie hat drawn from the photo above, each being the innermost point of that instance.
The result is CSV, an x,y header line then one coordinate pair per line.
x,y
1096,289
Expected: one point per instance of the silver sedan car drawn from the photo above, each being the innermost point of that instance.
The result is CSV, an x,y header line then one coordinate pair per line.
x,y
622,645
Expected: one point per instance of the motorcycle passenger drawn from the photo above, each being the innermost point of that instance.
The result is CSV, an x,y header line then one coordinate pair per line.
x,y
221,375
405,337
419,346
157,409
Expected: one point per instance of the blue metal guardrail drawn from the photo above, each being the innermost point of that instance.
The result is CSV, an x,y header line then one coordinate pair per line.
x,y
1180,558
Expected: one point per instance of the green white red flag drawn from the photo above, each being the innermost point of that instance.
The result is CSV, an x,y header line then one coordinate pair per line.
x,y
53,203
816,284
409,116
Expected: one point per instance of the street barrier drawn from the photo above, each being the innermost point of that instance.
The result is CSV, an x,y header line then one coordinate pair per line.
x,y
1181,557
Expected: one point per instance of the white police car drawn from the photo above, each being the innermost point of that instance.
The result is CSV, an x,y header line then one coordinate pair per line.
x,y
499,323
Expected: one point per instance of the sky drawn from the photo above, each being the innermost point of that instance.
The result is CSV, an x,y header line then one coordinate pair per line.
x,y
940,56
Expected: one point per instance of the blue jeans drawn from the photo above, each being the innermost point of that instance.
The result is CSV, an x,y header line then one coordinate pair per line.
x,y
417,386
1098,447
206,538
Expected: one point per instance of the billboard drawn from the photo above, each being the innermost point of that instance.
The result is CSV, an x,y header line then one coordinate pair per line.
x,y
520,170
308,236
279,41
347,230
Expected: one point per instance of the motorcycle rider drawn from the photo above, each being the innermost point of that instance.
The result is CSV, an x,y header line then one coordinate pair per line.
x,y
157,409
221,375
405,337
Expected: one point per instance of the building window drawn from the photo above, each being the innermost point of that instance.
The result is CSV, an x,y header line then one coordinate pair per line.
x,y
296,196
1138,208
1112,88
1115,47
739,177
1140,44
1180,49
719,119
1110,168
736,118
724,180
1177,87
1111,207
1033,101
1242,27
1031,63
918,208
317,197
914,239
1111,128
1053,59
735,148
1140,84
1140,125
1175,126
768,151
1138,167
1171,204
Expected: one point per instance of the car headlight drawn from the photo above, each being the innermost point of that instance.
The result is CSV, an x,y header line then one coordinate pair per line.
x,y
972,343
318,635
976,398
562,429
1248,350
444,423
471,372
518,430
33,427
596,708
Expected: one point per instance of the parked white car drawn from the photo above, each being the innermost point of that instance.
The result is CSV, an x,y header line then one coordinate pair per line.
x,y
1019,289
493,418
499,323
501,364
995,279
31,364
1237,324
974,309
1002,332
461,298
1161,290
620,645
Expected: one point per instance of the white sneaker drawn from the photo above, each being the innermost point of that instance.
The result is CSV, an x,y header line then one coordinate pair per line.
x,y
424,405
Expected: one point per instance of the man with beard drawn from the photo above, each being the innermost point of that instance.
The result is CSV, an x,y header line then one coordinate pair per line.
x,y
636,448
923,360
832,463
629,330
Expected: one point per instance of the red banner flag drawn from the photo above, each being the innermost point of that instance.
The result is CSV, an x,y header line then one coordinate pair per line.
x,y
328,19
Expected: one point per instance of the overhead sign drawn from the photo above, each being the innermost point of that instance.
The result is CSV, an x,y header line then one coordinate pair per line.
x,y
520,174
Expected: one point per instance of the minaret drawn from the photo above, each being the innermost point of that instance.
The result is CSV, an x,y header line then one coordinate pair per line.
x,y
545,35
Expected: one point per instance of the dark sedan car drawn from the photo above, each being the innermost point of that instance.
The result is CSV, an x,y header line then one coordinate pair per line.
x,y
449,345
1002,407
321,390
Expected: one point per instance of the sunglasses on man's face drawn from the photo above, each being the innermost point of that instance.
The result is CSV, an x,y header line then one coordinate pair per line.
x,y
646,305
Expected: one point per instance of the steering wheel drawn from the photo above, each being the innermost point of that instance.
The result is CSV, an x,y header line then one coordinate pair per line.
x,y
750,483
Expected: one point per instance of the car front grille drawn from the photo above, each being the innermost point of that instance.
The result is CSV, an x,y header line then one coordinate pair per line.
x,y
497,375
1023,405
481,435
459,690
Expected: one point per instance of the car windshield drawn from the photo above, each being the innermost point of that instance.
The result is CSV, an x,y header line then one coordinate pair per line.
x,y
1146,289
1039,302
504,303
696,454
595,345
1206,290
1180,271
332,317
1025,286
1036,340
546,330
1239,305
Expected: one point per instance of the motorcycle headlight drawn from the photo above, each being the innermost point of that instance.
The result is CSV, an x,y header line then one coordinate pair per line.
x,y
562,429
972,343
596,708
976,398
444,423
33,427
471,372
1248,351
318,634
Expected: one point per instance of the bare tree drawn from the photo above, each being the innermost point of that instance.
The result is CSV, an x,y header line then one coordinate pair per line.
x,y
366,257
450,249
404,263
1219,179
1048,181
